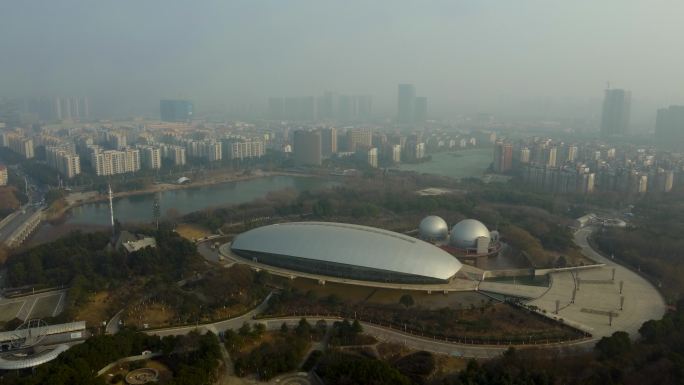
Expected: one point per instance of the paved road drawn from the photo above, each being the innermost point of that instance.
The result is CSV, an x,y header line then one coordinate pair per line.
x,y
233,323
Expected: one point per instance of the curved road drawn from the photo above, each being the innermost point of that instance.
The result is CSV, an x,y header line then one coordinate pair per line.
x,y
598,296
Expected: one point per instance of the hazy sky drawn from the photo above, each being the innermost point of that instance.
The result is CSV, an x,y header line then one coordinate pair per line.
x,y
465,56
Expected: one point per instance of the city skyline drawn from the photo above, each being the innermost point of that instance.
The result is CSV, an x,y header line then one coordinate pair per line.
x,y
467,57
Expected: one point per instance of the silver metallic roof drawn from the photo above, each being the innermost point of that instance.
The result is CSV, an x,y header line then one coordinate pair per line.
x,y
464,234
433,227
35,360
353,245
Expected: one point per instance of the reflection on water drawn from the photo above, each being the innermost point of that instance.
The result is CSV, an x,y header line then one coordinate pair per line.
x,y
138,208
460,164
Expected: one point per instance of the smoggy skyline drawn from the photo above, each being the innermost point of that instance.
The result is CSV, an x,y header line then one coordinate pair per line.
x,y
465,56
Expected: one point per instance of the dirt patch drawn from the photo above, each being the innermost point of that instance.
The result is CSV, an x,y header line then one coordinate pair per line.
x,y
347,293
97,309
8,199
192,232
445,365
375,296
152,314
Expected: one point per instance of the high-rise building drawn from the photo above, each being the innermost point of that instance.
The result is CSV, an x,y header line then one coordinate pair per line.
x,y
176,154
307,148
112,162
670,126
3,175
329,141
116,140
359,136
245,149
664,180
210,150
616,111
132,162
20,144
551,156
524,155
175,110
406,103
420,111
64,160
414,151
503,157
572,153
396,153
151,157
373,157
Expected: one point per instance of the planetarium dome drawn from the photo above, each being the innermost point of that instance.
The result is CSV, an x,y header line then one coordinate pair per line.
x,y
433,228
465,233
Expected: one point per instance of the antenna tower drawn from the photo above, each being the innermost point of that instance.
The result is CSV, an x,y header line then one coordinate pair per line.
x,y
156,210
111,209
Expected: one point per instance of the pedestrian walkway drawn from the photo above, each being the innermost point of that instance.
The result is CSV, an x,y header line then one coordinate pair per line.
x,y
606,299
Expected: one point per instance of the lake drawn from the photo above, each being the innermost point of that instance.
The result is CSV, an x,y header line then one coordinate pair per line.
x,y
138,208
470,163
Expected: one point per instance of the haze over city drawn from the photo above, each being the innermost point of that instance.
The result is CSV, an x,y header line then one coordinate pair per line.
x,y
347,192
525,58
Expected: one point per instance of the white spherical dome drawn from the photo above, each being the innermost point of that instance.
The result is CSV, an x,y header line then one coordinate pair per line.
x,y
433,228
465,233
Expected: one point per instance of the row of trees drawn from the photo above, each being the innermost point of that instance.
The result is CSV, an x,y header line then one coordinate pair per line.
x,y
280,354
87,263
657,358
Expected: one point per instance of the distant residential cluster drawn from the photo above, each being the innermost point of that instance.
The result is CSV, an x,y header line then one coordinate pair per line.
x,y
561,167
110,149
306,130
585,167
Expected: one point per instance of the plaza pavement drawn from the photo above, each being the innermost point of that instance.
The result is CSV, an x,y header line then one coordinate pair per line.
x,y
599,294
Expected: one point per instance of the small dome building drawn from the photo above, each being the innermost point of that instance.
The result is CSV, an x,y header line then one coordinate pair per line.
x,y
433,228
467,233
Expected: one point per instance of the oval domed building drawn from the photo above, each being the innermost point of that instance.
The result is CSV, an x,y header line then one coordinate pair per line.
x,y
466,233
433,228
346,251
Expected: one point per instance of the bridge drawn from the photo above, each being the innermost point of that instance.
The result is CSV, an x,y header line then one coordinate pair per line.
x,y
18,226
38,343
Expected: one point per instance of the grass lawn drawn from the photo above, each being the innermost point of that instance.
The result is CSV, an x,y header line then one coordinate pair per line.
x,y
96,310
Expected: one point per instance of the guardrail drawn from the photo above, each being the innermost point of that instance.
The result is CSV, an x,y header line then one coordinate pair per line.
x,y
25,229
